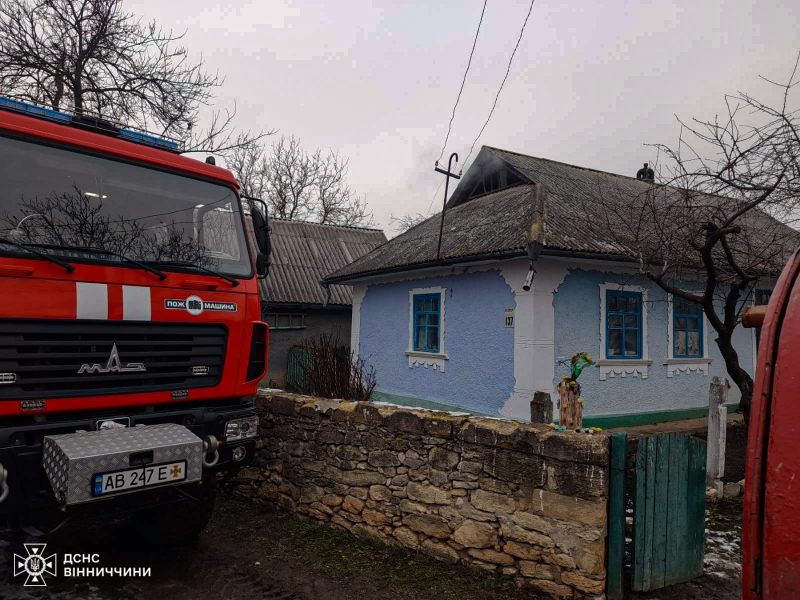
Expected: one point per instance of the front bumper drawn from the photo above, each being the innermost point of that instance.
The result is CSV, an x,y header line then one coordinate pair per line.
x,y
21,446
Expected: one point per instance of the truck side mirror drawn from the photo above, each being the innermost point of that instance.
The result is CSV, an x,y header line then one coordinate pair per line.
x,y
261,233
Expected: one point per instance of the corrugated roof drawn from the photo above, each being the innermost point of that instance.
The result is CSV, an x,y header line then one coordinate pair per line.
x,y
303,254
496,223
493,223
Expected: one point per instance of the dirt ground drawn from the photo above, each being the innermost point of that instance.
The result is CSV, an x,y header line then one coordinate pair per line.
x,y
250,553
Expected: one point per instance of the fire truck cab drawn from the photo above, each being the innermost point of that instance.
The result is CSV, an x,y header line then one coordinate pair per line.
x,y
131,340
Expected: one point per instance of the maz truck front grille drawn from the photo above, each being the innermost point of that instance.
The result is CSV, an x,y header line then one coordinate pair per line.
x,y
62,358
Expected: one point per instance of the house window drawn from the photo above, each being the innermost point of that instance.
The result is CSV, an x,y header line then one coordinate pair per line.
x,y
687,351
687,329
427,318
285,320
426,322
623,324
762,297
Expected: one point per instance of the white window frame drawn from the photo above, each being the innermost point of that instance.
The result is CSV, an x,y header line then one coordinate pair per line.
x,y
622,367
436,360
696,364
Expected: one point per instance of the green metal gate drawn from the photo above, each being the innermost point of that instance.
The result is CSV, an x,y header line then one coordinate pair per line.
x,y
668,511
297,366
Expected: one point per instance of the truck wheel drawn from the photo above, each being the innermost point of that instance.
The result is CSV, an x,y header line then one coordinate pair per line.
x,y
178,522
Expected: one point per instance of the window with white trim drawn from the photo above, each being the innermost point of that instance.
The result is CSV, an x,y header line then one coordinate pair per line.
x,y
427,315
623,331
426,328
688,338
687,329
623,324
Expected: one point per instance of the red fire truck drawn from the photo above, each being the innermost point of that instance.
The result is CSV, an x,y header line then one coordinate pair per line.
x,y
131,340
771,530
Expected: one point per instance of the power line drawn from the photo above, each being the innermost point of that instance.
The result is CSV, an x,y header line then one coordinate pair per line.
x,y
436,193
500,89
463,81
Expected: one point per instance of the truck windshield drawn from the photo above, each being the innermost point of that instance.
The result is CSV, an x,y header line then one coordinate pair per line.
x,y
62,200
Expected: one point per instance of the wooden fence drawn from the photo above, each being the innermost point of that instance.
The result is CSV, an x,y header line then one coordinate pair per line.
x,y
668,502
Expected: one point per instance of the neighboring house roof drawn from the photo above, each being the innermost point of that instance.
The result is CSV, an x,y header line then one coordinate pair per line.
x,y
495,225
304,253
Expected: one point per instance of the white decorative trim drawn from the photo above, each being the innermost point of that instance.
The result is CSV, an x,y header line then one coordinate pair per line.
x,y
426,359
685,365
359,291
622,367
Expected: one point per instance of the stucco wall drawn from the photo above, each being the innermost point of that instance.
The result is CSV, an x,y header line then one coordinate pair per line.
x,y
479,372
577,327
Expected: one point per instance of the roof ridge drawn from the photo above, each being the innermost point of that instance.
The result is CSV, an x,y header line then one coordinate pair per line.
x,y
558,162
331,225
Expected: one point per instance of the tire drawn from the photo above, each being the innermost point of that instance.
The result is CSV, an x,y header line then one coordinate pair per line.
x,y
178,522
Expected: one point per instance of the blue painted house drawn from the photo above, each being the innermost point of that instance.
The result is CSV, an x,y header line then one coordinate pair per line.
x,y
471,331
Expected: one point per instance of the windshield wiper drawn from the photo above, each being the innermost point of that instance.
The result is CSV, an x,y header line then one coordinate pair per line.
x,y
179,263
92,250
61,263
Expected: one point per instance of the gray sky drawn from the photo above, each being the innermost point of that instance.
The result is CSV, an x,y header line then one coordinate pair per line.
x,y
590,84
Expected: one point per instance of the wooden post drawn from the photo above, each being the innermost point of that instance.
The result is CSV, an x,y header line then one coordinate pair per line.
x,y
570,411
541,408
717,433
616,515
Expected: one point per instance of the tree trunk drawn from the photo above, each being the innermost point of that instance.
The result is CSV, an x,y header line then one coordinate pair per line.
x,y
739,376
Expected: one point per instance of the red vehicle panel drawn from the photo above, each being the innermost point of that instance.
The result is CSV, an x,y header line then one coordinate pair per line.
x,y
771,557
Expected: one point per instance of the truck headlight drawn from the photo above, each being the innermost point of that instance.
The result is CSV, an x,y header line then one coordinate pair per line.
x,y
241,429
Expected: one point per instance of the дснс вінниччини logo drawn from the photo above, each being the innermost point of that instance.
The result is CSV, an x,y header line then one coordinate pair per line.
x,y
36,565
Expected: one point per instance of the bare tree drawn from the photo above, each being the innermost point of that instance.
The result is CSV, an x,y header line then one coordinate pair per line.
x,y
405,222
300,186
91,57
720,214
247,165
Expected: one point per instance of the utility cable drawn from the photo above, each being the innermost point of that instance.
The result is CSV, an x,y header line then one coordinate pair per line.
x,y
463,81
508,70
436,193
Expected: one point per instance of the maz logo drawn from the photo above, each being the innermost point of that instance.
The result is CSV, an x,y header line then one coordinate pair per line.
x,y
112,366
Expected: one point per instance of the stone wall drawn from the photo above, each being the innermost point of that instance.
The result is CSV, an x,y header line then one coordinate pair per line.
x,y
493,494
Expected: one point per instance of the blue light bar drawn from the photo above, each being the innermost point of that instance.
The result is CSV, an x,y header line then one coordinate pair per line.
x,y
65,118
148,140
35,111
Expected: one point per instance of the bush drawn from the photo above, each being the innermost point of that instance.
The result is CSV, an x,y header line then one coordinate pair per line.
x,y
328,369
